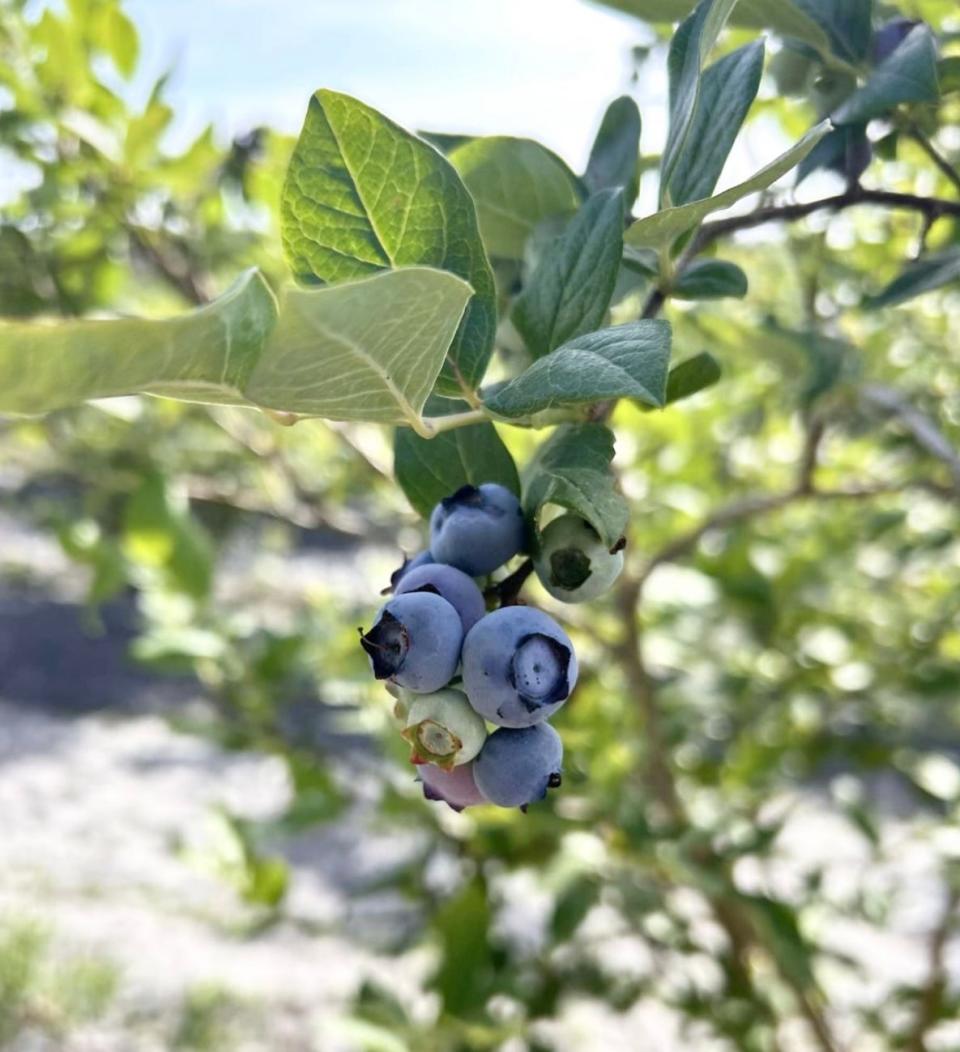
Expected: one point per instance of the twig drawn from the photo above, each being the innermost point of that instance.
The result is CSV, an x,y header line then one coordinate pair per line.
x,y
296,512
931,207
938,159
505,592
178,276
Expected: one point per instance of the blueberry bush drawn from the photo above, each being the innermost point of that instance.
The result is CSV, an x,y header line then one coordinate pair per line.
x,y
708,420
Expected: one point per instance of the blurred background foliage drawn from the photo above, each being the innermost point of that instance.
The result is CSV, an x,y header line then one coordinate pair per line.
x,y
786,638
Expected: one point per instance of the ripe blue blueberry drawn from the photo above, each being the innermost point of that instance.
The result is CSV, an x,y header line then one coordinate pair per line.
x,y
422,559
518,666
573,564
415,642
517,767
459,590
456,787
477,529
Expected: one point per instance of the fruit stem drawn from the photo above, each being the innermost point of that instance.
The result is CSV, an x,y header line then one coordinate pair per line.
x,y
506,591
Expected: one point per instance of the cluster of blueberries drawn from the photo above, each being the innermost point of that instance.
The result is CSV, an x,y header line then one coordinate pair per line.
x,y
454,668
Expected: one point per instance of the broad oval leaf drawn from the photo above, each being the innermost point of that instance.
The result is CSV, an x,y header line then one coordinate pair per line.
x,y
362,195
572,470
729,87
427,470
615,155
569,292
206,355
908,75
624,361
516,184
661,229
367,350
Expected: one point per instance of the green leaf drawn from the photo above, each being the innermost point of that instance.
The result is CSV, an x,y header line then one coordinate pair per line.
x,y
782,16
907,75
363,194
729,87
948,74
207,355
516,184
846,23
710,279
625,361
691,44
692,375
661,229
466,970
924,275
572,470
614,157
427,470
368,350
569,292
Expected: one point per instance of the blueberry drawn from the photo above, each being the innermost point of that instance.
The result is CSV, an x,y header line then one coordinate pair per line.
x,y
423,559
889,37
443,729
458,788
477,529
459,590
573,564
415,642
518,666
517,767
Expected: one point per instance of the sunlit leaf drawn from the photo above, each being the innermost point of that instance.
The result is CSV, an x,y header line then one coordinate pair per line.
x,y
661,229
363,195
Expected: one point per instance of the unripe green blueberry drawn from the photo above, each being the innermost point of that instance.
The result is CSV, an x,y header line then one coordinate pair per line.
x,y
444,729
573,564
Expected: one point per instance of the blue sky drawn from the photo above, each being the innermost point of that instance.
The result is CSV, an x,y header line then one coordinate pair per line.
x,y
544,68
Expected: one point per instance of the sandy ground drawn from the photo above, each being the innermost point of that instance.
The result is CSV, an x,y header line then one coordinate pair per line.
x,y
109,837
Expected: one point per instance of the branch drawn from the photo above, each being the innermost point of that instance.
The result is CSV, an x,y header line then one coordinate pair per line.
x,y
930,207
658,773
178,276
753,507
